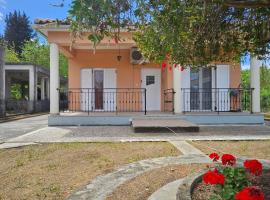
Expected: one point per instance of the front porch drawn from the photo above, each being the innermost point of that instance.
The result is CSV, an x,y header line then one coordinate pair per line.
x,y
123,106
126,118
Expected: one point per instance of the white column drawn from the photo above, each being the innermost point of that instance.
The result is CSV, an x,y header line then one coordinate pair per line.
x,y
42,88
177,79
48,88
31,84
32,88
255,65
54,79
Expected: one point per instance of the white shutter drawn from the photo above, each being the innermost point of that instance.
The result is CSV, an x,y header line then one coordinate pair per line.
x,y
185,83
223,85
110,90
87,90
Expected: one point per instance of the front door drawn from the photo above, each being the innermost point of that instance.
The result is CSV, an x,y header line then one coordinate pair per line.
x,y
98,88
201,89
151,79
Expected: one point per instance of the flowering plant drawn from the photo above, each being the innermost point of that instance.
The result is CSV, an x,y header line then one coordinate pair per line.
x,y
233,182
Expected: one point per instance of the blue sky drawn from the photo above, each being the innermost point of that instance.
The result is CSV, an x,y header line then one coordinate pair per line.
x,y
44,9
34,9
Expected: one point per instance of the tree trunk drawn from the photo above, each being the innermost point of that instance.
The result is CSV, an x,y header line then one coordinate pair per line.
x,y
2,85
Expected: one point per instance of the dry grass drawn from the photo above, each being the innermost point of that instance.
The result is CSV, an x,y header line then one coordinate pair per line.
x,y
251,149
53,171
141,187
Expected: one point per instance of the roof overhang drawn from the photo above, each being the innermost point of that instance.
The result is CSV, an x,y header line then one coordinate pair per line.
x,y
60,34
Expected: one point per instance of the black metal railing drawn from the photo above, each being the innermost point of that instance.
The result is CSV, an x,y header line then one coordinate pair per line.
x,y
217,99
168,101
102,100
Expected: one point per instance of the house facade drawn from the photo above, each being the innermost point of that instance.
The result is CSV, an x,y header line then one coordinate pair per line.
x,y
114,78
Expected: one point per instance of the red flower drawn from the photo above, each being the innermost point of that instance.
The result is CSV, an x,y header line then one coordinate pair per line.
x,y
253,166
214,156
228,159
174,65
182,69
170,68
250,193
164,65
213,177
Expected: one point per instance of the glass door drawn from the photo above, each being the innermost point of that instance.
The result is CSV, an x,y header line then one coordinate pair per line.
x,y
201,89
98,88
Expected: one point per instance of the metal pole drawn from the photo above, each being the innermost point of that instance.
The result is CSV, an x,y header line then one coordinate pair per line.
x,y
251,99
145,101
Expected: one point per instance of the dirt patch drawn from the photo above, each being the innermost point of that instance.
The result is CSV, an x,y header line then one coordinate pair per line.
x,y
53,171
141,187
250,149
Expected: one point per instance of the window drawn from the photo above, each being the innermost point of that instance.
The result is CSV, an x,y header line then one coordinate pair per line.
x,y
150,80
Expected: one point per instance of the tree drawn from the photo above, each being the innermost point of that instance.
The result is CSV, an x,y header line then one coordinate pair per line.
x,y
17,30
187,32
11,56
39,54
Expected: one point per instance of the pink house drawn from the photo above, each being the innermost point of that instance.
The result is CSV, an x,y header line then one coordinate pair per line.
x,y
116,83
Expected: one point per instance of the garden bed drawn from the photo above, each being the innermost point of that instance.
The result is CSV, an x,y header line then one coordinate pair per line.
x,y
202,191
227,180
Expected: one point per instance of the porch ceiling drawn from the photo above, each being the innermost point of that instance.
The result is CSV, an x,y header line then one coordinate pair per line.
x,y
61,35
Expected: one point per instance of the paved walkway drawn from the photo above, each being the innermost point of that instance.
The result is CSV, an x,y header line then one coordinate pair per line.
x,y
36,130
20,127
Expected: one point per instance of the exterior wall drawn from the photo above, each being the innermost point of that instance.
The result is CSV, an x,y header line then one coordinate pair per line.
x,y
128,75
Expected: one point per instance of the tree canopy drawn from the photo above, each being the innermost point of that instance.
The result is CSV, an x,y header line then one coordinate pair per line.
x,y
186,32
17,30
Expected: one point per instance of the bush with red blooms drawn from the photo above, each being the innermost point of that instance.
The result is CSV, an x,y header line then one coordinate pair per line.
x,y
233,182
213,177
250,193
228,159
214,156
254,167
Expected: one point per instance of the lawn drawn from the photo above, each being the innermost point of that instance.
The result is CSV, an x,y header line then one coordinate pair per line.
x,y
251,149
53,171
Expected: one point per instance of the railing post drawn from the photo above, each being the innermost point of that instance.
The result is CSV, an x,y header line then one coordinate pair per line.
x,y
88,101
173,93
183,91
251,99
145,101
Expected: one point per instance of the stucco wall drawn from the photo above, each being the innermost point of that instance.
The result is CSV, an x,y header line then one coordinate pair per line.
x,y
128,75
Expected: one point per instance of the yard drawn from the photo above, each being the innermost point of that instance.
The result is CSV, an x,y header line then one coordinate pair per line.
x,y
53,171
250,149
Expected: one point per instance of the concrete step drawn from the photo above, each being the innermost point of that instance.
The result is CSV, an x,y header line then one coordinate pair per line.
x,y
163,125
